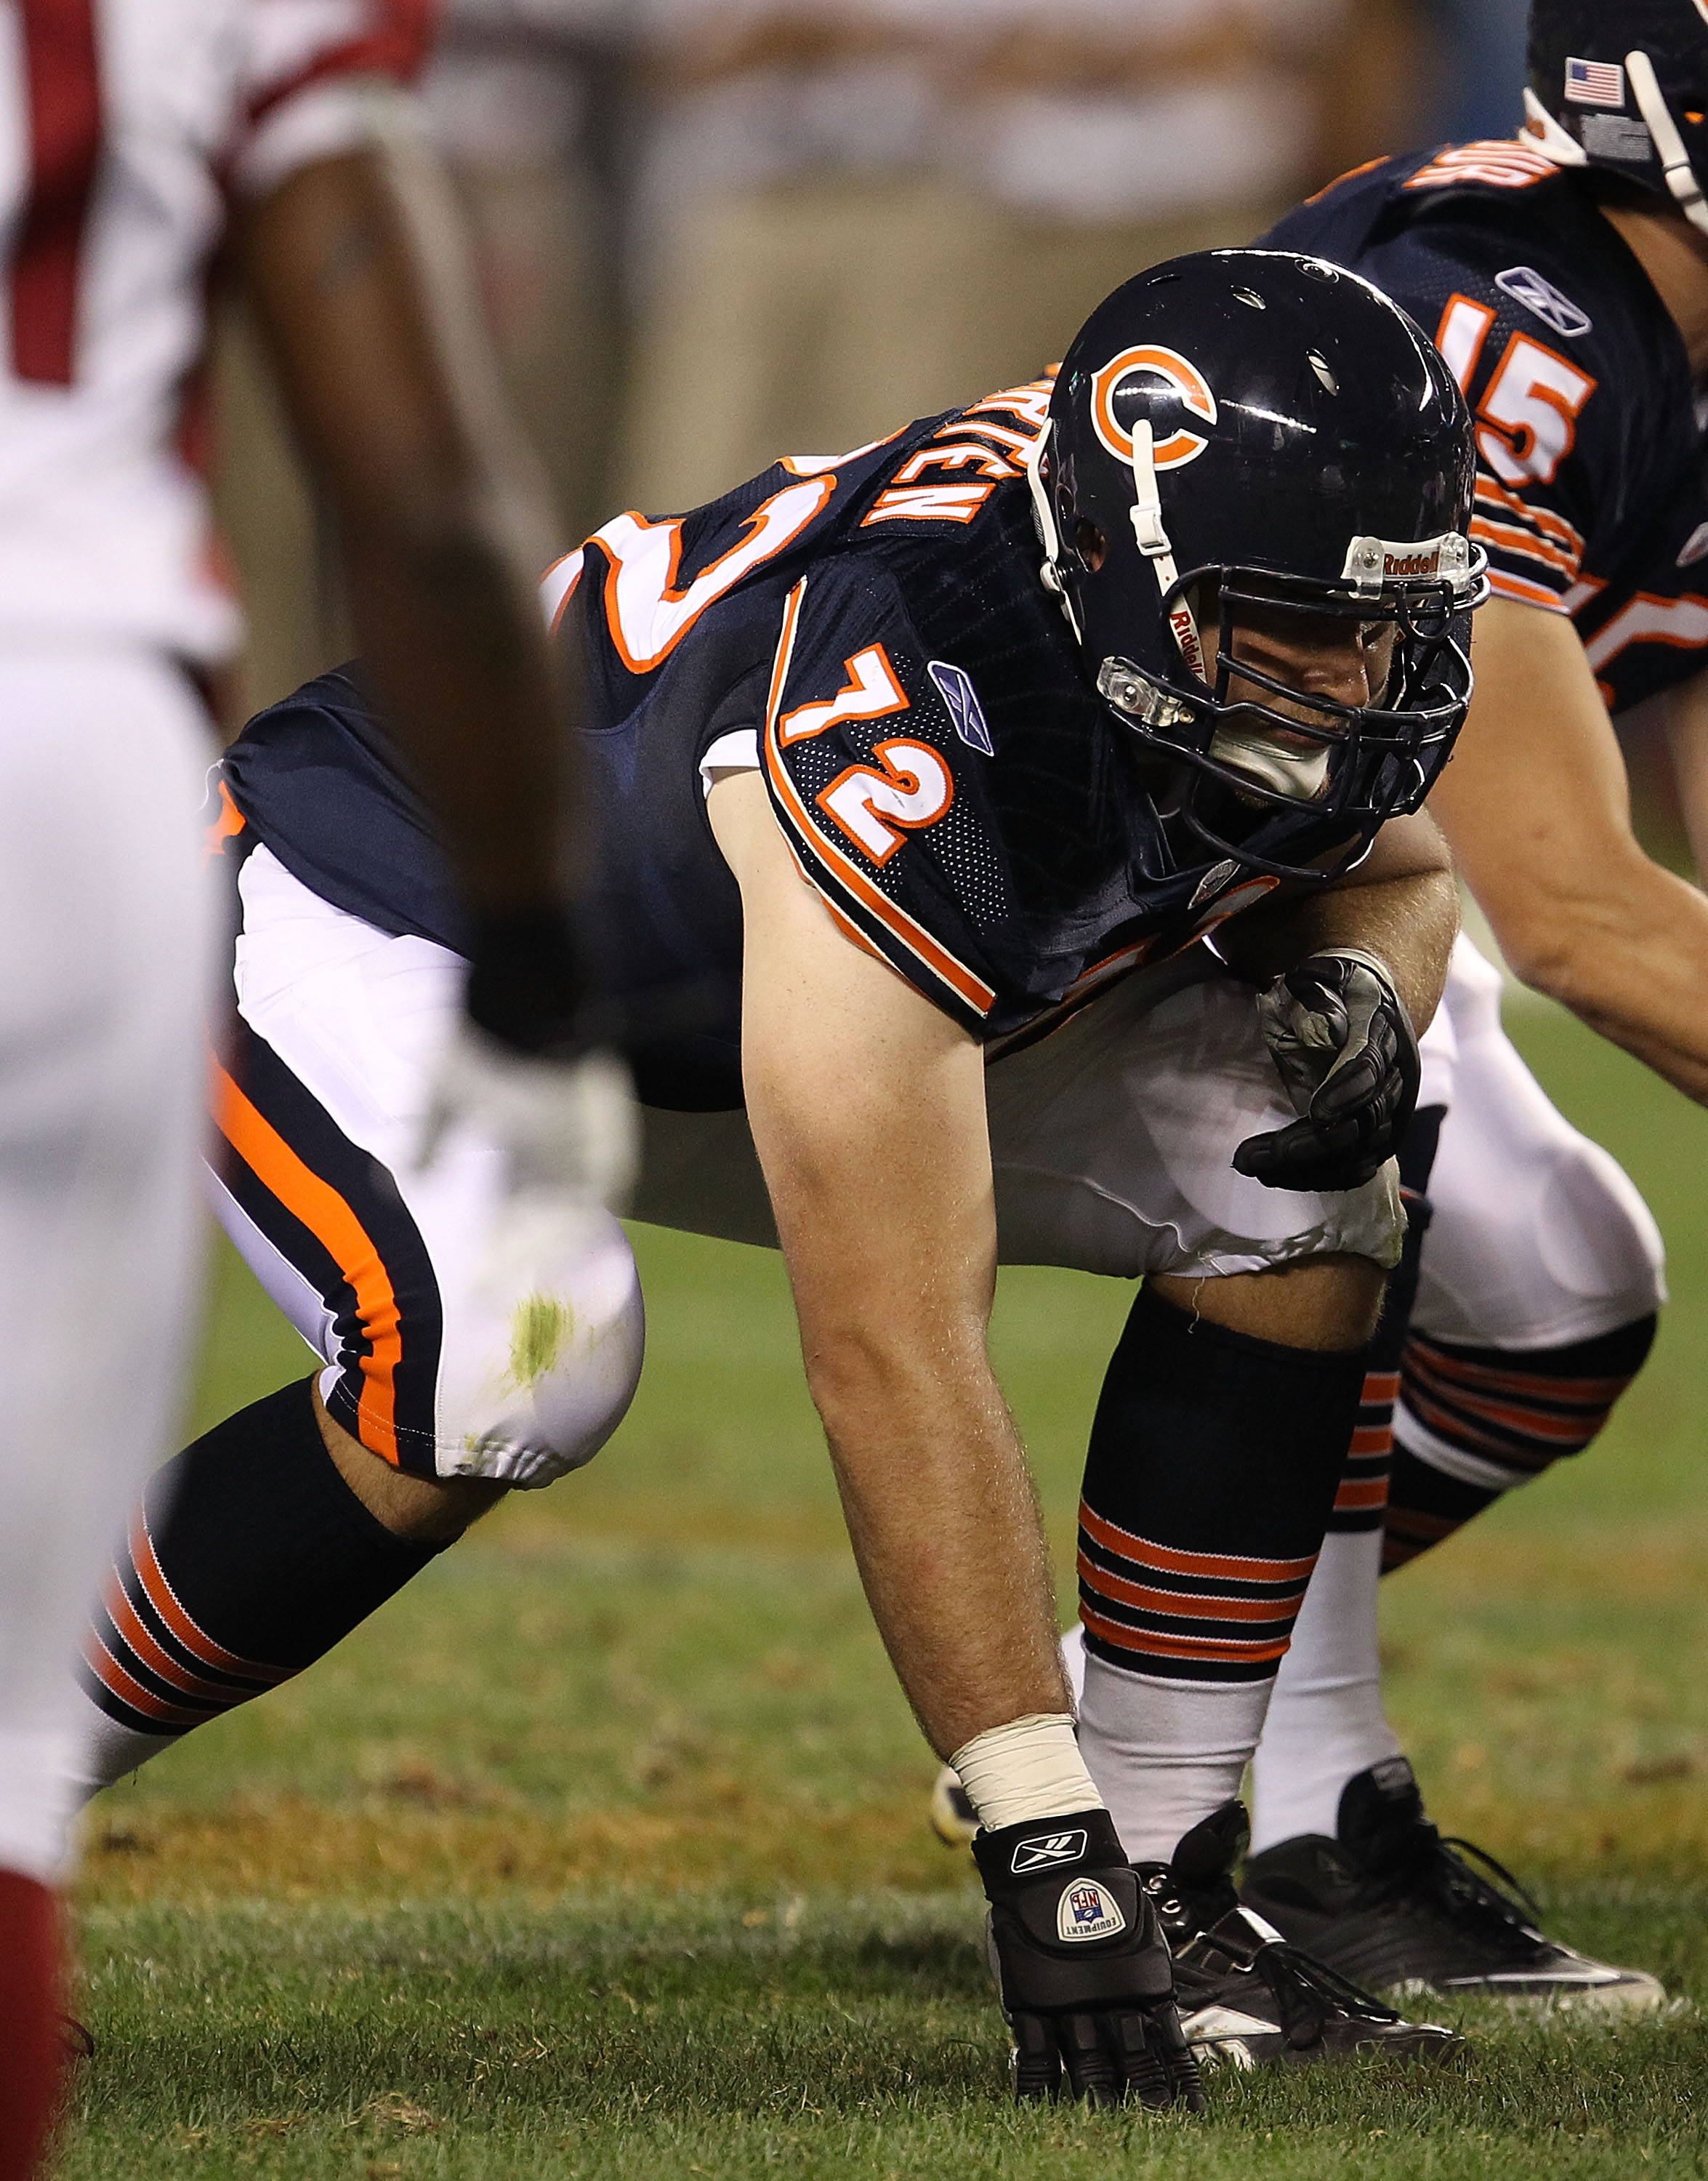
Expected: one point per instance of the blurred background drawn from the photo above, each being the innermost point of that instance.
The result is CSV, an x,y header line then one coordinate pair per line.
x,y
712,232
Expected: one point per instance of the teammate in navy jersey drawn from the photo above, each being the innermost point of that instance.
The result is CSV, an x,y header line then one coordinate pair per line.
x,y
1564,276
914,827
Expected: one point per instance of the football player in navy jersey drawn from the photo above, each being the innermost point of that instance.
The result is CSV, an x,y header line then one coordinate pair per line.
x,y
926,774
1564,276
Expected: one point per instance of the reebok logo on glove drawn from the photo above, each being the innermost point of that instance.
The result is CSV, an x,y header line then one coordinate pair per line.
x,y
1047,1849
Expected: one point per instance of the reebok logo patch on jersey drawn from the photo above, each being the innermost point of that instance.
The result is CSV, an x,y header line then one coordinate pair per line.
x,y
955,686
1043,1849
1544,300
1089,1910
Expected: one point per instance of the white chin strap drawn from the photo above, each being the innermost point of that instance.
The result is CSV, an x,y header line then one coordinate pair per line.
x,y
1049,574
1675,160
1157,547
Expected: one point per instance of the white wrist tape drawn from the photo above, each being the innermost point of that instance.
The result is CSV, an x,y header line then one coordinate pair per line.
x,y
1032,1768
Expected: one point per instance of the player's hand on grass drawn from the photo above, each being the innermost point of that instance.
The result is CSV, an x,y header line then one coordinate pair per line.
x,y
521,1069
1082,1967
1344,1046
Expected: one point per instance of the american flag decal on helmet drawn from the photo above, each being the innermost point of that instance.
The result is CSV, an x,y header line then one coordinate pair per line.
x,y
1595,83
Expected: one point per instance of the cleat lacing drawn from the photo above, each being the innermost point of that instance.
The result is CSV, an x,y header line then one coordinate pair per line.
x,y
1308,1994
1433,1862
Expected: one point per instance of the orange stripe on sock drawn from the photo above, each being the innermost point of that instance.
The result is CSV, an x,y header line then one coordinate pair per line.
x,y
130,1691
1186,1605
162,1598
333,1224
131,1626
1131,1546
1205,1648
1357,1494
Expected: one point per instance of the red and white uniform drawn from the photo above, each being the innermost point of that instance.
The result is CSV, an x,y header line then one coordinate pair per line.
x,y
126,126
123,125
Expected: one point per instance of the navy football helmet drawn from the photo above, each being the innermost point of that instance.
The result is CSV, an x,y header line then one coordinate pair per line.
x,y
1623,84
1246,440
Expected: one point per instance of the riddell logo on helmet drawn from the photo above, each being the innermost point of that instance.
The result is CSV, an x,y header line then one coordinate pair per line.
x,y
1130,371
1412,564
1186,636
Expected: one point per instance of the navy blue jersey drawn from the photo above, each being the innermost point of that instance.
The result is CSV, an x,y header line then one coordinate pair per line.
x,y
948,779
1592,486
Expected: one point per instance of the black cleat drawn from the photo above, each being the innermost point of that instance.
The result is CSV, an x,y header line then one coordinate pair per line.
x,y
1394,1904
1246,1996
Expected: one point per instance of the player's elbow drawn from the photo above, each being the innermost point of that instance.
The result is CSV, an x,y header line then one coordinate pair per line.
x,y
865,1369
1564,944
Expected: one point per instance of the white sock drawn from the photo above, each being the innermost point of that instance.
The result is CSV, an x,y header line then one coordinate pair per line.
x,y
1073,1662
1166,1753
109,1751
1325,1721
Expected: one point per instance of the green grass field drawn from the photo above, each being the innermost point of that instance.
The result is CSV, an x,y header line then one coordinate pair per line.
x,y
602,1852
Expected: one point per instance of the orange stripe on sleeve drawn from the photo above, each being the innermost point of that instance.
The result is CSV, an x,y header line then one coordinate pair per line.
x,y
918,941
225,827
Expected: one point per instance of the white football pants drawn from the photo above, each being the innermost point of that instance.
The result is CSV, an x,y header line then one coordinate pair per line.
x,y
106,951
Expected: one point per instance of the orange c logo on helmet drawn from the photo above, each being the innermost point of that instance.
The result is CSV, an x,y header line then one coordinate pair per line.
x,y
1182,378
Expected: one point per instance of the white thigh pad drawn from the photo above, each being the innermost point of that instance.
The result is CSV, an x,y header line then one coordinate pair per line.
x,y
544,1343
1538,1239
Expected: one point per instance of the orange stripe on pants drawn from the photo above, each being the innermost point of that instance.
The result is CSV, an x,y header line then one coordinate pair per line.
x,y
336,1228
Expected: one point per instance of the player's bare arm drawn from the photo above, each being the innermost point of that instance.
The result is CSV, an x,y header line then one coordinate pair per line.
x,y
1536,807
867,1105
358,275
1400,904
1687,739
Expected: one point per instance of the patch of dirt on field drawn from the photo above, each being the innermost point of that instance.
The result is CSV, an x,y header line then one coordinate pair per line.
x,y
411,1844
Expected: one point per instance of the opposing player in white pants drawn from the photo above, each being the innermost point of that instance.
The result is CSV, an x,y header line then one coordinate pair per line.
x,y
126,128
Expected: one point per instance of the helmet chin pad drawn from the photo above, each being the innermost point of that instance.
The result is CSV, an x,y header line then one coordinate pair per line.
x,y
1299,775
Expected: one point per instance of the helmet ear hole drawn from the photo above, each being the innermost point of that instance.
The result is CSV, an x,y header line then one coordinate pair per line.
x,y
1090,543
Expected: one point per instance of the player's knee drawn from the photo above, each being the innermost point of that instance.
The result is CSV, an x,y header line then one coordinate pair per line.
x,y
541,1356
1494,1417
1603,1237
1328,1303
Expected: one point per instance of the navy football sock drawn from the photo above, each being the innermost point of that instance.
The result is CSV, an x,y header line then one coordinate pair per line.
x,y
1212,1466
248,1558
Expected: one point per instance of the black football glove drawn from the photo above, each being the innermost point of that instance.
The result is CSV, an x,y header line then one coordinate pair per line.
x,y
1082,1967
1344,1046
